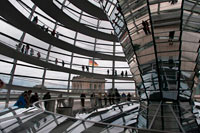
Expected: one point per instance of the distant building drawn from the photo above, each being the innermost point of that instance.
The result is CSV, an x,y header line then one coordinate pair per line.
x,y
88,85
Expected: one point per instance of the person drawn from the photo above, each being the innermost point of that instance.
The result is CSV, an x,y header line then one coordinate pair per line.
x,y
35,20
115,72
46,96
123,97
118,97
99,100
38,55
126,73
82,96
173,2
87,68
27,49
34,98
31,52
83,67
108,71
22,100
57,34
63,63
113,98
110,98
56,61
105,98
22,50
53,32
29,94
147,27
92,100
144,27
171,37
129,97
122,73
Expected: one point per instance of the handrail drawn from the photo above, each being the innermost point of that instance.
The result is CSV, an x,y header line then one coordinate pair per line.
x,y
101,123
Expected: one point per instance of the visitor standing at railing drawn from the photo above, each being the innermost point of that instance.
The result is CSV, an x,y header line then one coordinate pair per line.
x,y
92,100
31,52
34,98
82,96
105,98
22,100
46,96
129,97
99,100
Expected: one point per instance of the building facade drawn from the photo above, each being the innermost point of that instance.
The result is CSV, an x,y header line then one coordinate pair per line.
x,y
87,85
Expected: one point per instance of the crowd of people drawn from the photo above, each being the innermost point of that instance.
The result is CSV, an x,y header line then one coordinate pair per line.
x,y
146,28
85,68
105,99
122,73
26,48
26,99
173,2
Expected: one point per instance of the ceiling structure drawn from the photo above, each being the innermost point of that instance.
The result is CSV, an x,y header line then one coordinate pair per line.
x,y
158,39
80,36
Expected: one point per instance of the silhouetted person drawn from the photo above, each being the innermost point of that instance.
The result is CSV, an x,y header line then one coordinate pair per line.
x,y
38,55
129,97
31,52
147,27
123,96
171,37
83,67
99,99
27,48
144,27
34,98
113,98
82,96
117,97
105,98
46,96
35,20
23,47
110,98
115,72
87,68
108,71
92,100
57,34
173,2
126,73
63,63
122,73
53,32
56,61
